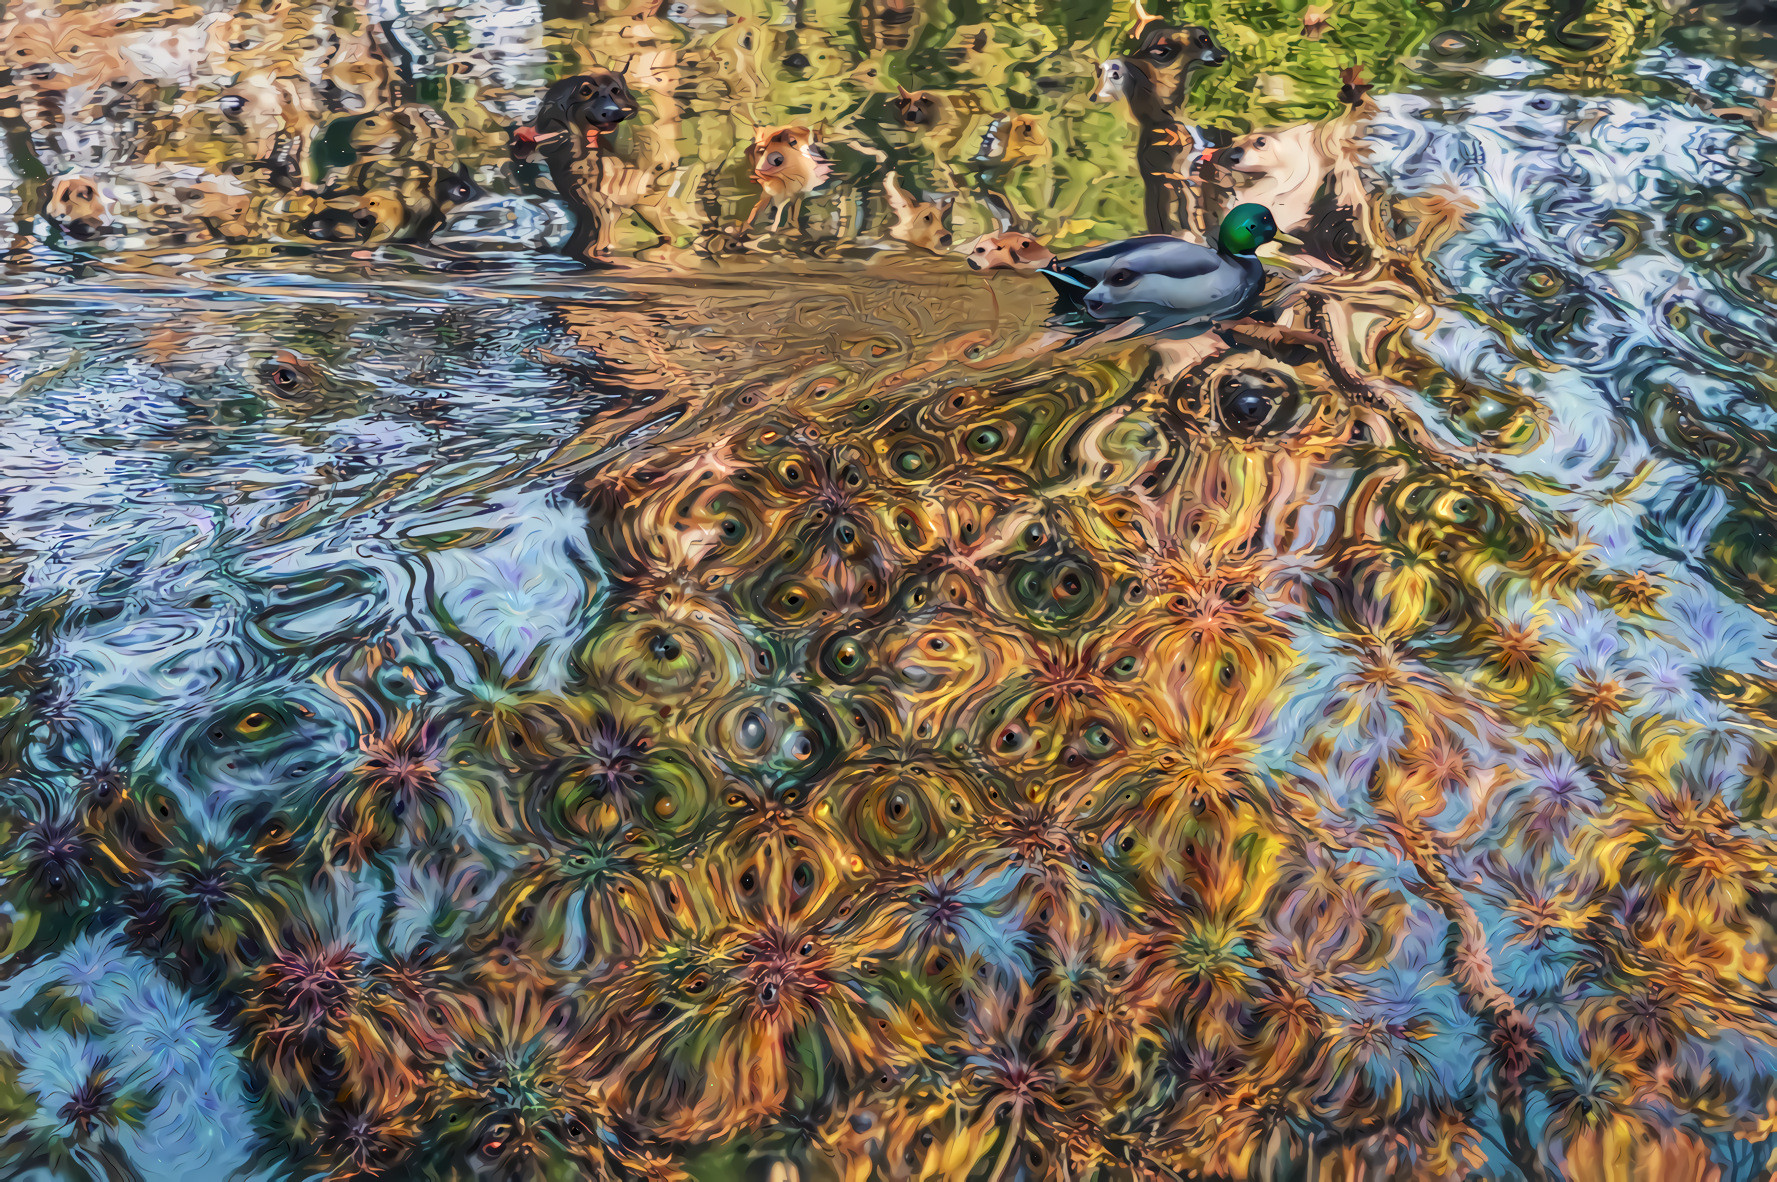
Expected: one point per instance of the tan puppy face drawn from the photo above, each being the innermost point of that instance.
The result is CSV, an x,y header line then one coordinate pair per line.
x,y
918,108
1025,138
1007,250
77,206
788,160
1266,152
919,223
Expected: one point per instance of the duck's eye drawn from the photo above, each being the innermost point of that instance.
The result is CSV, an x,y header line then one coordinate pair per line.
x,y
1121,277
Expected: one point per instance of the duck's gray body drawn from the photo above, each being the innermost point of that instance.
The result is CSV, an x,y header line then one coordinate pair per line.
x,y
1171,281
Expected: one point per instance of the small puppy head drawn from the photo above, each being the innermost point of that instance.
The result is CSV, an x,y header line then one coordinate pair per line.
x,y
1025,138
1007,250
1252,155
788,160
1112,78
454,187
917,108
918,223
79,208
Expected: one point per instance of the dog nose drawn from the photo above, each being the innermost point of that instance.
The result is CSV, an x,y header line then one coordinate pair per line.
x,y
915,115
1217,57
607,111
943,240
231,104
83,230
1094,304
1233,156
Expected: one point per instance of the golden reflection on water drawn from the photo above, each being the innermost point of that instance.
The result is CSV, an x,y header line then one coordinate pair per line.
x,y
571,611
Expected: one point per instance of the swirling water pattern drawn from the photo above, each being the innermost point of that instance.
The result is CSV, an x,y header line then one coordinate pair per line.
x,y
783,708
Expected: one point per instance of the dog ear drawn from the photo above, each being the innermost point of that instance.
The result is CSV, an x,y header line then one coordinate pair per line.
x,y
903,93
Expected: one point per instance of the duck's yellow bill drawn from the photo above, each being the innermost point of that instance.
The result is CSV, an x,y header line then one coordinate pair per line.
x,y
1289,238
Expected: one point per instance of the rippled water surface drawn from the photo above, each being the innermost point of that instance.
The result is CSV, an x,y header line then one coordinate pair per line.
x,y
537,645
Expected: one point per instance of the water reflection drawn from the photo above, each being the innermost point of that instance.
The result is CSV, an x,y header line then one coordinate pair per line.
x,y
570,610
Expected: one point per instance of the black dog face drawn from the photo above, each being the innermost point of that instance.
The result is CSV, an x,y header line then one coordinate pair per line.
x,y
593,102
1169,45
454,187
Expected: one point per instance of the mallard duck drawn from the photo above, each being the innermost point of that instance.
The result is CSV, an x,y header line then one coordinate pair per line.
x,y
1169,281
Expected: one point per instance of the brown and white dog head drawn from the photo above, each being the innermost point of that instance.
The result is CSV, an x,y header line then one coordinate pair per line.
x,y
917,223
79,207
788,160
919,108
1007,250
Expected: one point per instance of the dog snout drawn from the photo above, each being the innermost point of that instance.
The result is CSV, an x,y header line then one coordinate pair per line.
x,y
1233,156
232,104
606,110
944,240
84,229
1094,305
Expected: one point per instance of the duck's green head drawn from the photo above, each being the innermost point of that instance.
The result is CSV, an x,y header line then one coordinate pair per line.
x,y
1246,228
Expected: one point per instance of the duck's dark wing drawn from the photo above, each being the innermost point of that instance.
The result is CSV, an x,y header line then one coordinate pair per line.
x,y
1078,274
1174,258
1114,250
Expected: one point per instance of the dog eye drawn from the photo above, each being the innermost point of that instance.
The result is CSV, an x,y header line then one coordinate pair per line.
x,y
1259,143
284,377
1121,277
586,90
